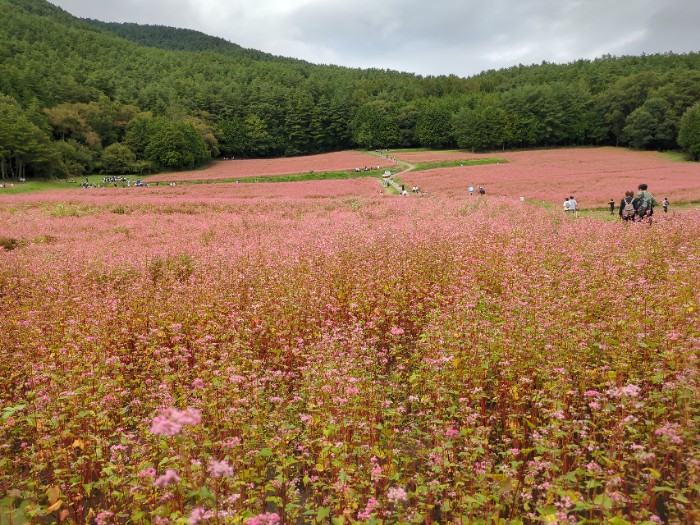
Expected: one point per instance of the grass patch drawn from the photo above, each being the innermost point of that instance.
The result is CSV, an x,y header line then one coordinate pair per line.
x,y
34,185
297,177
9,243
676,156
63,209
422,166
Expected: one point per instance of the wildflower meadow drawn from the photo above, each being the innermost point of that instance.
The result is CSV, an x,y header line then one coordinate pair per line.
x,y
343,360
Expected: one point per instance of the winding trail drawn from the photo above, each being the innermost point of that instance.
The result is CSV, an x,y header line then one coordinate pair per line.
x,y
405,168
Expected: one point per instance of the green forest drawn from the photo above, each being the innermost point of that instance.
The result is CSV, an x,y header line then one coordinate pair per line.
x,y
81,96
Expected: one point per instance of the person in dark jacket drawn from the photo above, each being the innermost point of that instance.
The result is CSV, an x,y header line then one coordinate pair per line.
x,y
629,206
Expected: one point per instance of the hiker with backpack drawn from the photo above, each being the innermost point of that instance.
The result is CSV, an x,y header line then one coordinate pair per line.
x,y
629,206
646,202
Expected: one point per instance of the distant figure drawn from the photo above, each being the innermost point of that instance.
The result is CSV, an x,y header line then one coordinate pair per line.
x,y
471,190
567,206
664,203
482,191
629,206
611,203
572,206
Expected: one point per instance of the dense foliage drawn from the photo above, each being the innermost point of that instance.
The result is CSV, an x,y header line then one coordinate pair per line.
x,y
312,361
83,81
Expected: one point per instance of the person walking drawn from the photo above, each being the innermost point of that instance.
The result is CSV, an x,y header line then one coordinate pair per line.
x,y
567,206
628,207
664,203
611,203
646,202
572,206
471,190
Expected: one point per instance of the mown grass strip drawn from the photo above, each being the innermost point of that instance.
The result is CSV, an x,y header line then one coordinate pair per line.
x,y
422,166
297,177
62,184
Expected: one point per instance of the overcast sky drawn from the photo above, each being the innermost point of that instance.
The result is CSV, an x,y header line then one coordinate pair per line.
x,y
427,37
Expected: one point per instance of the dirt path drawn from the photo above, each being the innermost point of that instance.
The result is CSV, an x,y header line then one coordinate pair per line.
x,y
405,167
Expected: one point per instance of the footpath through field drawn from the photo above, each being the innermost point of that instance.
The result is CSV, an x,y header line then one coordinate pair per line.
x,y
405,168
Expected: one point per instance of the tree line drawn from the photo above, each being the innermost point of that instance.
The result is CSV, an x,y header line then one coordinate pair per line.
x,y
82,96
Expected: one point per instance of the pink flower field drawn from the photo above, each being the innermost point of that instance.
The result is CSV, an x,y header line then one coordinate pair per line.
x,y
592,175
206,354
199,194
239,168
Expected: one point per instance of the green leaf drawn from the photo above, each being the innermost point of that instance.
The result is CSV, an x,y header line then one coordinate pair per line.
x,y
322,512
10,411
603,501
680,499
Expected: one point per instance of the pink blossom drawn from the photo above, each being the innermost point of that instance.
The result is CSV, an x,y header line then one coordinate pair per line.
x,y
395,330
593,467
169,477
396,494
451,433
198,383
372,505
103,518
219,468
670,432
627,390
171,420
198,514
149,472
264,519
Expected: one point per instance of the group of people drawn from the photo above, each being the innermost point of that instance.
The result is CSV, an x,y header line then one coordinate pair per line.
x,y
481,190
633,207
638,207
570,206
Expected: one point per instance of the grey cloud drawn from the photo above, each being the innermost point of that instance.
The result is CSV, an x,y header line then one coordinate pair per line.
x,y
460,37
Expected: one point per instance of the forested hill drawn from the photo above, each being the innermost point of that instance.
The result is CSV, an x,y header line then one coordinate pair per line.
x,y
175,39
79,96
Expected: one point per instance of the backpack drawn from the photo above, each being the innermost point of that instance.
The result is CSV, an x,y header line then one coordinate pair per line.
x,y
628,210
645,204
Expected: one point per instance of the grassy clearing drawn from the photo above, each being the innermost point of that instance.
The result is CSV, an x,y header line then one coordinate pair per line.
x,y
604,213
675,156
32,186
44,185
296,177
422,166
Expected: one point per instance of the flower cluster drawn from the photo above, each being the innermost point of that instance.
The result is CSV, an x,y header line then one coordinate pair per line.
x,y
171,420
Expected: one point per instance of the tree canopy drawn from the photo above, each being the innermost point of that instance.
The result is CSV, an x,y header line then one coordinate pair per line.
x,y
81,86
